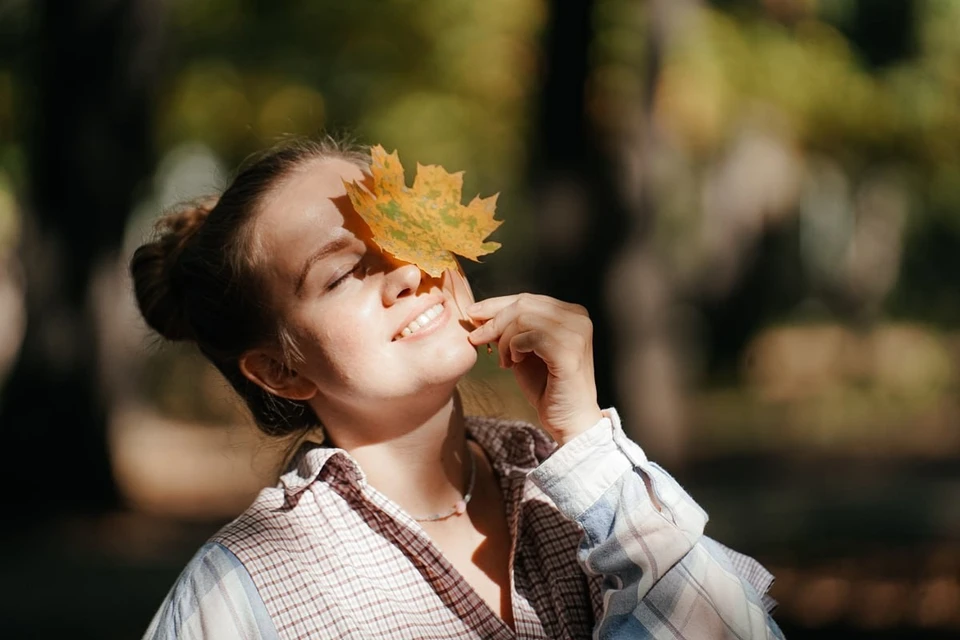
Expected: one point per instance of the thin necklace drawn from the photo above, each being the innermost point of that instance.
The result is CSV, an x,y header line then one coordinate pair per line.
x,y
461,506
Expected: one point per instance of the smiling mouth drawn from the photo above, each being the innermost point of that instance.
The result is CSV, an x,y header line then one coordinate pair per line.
x,y
421,321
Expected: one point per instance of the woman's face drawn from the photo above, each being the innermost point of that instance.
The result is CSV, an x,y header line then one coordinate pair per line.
x,y
372,330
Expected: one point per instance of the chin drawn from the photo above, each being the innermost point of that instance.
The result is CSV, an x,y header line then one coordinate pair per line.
x,y
457,361
447,365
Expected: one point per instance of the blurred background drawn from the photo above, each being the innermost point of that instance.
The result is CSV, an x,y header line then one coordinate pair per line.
x,y
758,201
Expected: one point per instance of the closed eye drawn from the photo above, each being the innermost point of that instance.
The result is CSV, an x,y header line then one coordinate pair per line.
x,y
341,279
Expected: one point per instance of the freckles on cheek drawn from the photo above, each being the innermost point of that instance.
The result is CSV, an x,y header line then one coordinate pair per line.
x,y
348,336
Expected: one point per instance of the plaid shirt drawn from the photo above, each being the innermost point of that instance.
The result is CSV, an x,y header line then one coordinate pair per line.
x,y
326,555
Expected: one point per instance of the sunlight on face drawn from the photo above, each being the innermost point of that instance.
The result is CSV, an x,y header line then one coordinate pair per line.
x,y
371,329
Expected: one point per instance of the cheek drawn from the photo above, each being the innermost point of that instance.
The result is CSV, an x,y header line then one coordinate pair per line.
x,y
336,342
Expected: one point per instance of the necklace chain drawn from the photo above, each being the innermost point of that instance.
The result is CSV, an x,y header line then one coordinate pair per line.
x,y
461,505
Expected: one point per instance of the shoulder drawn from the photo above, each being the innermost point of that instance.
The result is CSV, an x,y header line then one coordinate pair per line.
x,y
209,567
263,520
213,592
297,521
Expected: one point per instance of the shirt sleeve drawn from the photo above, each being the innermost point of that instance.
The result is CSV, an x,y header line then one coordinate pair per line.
x,y
213,598
662,578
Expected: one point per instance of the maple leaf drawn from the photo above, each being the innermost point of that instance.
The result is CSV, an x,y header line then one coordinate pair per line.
x,y
425,224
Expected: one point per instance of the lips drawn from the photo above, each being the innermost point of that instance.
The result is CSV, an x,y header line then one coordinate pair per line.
x,y
423,319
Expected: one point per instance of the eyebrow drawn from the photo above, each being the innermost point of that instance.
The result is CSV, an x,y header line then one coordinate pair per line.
x,y
339,244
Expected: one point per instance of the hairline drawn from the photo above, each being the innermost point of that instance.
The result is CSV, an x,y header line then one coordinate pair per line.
x,y
252,245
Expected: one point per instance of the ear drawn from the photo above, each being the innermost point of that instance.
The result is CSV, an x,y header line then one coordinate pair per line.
x,y
269,373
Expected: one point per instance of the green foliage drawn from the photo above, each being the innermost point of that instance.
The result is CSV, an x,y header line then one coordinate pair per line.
x,y
446,81
726,78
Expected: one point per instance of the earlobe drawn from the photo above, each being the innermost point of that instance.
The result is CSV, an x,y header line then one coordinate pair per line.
x,y
271,374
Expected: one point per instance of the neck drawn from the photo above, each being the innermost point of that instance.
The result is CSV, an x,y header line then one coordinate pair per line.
x,y
417,460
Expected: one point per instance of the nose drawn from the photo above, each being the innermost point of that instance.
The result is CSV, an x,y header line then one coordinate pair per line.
x,y
402,279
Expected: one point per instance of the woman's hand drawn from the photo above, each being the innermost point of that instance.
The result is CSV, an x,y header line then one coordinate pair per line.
x,y
549,346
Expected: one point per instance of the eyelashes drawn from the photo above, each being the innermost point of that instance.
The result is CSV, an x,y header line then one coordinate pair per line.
x,y
340,280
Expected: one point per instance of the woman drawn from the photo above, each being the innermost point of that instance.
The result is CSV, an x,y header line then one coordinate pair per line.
x,y
411,520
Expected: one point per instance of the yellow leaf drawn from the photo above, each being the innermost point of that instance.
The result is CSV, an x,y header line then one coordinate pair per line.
x,y
424,224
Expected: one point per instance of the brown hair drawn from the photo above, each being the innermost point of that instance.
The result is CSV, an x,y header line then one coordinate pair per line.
x,y
199,279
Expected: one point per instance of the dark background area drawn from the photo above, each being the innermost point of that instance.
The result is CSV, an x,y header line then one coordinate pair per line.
x,y
757,200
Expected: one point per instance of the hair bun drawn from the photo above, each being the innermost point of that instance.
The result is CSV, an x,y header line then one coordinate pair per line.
x,y
157,272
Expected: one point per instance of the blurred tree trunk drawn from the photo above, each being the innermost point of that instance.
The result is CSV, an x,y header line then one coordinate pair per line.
x,y
642,298
94,67
594,213
579,219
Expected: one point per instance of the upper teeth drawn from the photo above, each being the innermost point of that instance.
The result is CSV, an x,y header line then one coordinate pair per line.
x,y
422,320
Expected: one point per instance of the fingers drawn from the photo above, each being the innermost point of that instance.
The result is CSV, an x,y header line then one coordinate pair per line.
x,y
556,333
560,350
544,336
486,309
495,314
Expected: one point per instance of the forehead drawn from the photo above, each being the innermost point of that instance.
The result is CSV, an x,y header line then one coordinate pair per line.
x,y
307,207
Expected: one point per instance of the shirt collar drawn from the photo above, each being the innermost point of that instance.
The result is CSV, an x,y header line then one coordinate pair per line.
x,y
513,447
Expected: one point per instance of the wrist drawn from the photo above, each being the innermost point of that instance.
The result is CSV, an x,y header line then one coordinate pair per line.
x,y
575,426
